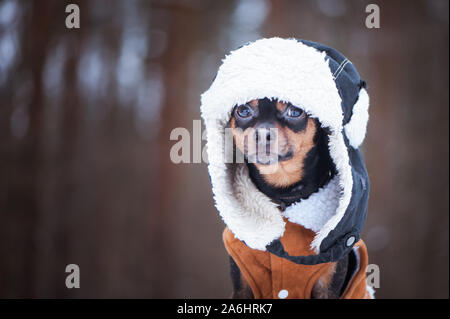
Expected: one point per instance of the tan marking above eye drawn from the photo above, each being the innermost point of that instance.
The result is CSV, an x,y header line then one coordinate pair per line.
x,y
253,103
281,106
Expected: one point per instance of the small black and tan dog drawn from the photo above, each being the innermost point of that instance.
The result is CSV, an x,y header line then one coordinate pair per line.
x,y
288,160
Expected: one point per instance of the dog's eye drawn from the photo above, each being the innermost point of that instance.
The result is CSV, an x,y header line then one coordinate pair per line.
x,y
243,111
293,111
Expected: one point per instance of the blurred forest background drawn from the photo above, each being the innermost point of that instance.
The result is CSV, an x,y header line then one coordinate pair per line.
x,y
85,119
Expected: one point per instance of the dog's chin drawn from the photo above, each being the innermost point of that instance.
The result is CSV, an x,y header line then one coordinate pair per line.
x,y
269,159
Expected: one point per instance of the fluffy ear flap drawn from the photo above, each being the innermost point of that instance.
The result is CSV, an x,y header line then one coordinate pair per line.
x,y
355,129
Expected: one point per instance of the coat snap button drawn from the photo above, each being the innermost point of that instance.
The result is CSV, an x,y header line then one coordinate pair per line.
x,y
350,241
283,294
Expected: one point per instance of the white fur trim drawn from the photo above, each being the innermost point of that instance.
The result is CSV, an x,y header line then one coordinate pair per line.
x,y
355,129
339,155
261,222
314,212
289,71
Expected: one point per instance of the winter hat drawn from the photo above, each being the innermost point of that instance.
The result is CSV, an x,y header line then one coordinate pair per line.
x,y
326,86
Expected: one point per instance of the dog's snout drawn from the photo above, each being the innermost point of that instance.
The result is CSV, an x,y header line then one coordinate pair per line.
x,y
265,133
262,135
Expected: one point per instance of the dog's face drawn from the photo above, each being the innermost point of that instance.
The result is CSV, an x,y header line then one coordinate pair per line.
x,y
275,137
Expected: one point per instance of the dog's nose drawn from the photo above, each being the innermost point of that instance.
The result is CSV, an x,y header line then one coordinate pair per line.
x,y
265,133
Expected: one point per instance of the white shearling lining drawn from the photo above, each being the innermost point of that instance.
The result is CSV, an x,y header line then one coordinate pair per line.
x,y
287,70
314,212
355,129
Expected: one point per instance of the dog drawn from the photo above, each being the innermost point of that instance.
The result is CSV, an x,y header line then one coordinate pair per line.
x,y
287,155
295,199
